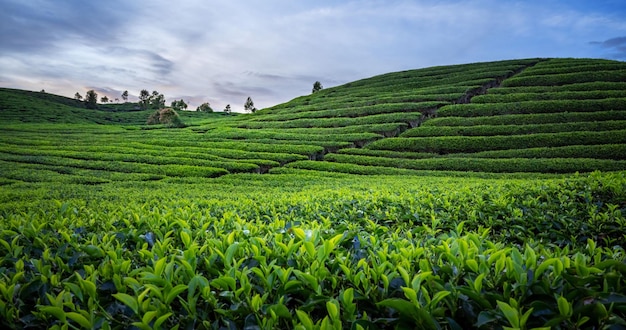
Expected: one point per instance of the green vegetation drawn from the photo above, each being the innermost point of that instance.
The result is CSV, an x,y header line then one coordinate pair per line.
x,y
487,130
305,249
477,196
530,107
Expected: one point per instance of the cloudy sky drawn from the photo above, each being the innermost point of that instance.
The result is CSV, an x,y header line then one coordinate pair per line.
x,y
223,51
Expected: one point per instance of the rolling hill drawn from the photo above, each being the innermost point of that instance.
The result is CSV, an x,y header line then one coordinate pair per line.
x,y
488,196
519,116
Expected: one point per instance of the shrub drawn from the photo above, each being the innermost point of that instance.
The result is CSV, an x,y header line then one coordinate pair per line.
x,y
491,130
167,116
527,119
496,165
529,107
588,86
566,78
566,95
455,144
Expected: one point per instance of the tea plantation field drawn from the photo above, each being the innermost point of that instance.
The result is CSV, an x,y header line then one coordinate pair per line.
x,y
476,196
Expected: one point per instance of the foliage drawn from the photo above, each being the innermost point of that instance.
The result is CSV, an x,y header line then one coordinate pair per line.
x,y
468,253
490,130
529,119
178,105
125,96
495,165
91,99
167,116
227,109
452,144
317,86
156,100
204,107
144,98
129,226
532,107
249,105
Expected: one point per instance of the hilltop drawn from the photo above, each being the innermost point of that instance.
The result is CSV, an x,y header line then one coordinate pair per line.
x,y
517,116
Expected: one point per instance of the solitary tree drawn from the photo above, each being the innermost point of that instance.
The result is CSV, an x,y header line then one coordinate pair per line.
x,y
104,99
249,105
317,86
204,107
179,105
91,98
144,98
227,109
78,97
125,96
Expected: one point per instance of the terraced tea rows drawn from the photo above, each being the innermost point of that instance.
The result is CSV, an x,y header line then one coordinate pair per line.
x,y
106,223
549,118
67,154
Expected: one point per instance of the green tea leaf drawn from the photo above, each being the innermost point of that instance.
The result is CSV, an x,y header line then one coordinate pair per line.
x,y
333,310
305,319
565,308
299,233
230,253
161,319
510,313
54,311
128,300
175,291
76,317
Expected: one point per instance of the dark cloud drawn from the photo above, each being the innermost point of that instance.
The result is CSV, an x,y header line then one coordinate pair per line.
x,y
155,62
31,26
617,46
298,78
266,76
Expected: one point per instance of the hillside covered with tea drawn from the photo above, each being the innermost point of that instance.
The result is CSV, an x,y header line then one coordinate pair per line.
x,y
475,196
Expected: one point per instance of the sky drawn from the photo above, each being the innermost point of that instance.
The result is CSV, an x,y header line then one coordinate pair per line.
x,y
223,51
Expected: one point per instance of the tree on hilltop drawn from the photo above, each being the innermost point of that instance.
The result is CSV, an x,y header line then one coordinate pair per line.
x,y
157,100
227,110
204,107
317,86
125,96
91,99
144,98
249,105
104,99
179,105
78,97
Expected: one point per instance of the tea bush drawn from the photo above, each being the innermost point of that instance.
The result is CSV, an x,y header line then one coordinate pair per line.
x,y
532,107
454,144
528,119
490,130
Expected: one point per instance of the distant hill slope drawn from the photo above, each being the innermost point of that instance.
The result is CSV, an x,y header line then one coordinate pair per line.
x,y
536,115
20,106
529,116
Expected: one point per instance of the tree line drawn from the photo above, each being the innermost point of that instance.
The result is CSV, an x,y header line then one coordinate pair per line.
x,y
156,100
